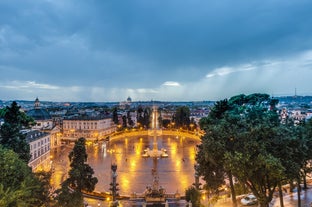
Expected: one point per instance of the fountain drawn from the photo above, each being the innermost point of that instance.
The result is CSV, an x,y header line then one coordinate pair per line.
x,y
155,193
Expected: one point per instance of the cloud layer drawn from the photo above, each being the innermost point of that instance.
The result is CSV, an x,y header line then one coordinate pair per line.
x,y
165,50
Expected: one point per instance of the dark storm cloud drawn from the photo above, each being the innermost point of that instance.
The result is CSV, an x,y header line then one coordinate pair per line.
x,y
201,32
143,44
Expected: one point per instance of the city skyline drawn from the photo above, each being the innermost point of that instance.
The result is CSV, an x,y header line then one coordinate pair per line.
x,y
153,50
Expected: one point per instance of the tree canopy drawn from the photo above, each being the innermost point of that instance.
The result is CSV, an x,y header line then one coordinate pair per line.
x,y
11,136
80,177
182,117
18,185
244,138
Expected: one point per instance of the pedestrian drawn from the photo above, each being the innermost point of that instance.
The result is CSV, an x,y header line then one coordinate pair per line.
x,y
99,204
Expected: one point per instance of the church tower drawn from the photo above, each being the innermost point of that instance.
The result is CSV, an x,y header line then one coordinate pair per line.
x,y
37,103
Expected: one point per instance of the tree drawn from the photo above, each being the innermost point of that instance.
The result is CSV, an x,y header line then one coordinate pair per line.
x,y
215,143
10,132
130,121
43,193
124,121
115,116
147,117
18,185
193,195
242,136
80,176
307,129
2,112
140,115
182,117
67,197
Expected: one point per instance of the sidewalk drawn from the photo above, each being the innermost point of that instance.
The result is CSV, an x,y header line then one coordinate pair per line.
x,y
290,200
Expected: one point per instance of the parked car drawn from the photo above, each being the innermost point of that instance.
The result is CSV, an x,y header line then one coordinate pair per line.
x,y
249,200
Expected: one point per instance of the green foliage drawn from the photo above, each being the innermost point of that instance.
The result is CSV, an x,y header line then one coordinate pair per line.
x,y
124,121
143,116
2,112
18,185
80,177
129,120
10,135
67,197
193,195
166,123
43,193
182,117
245,138
240,188
80,174
115,116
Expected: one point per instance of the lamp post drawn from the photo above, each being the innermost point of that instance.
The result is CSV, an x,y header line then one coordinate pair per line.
x,y
114,185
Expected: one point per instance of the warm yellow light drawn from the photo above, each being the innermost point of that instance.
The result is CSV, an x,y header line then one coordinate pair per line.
x,y
107,199
133,165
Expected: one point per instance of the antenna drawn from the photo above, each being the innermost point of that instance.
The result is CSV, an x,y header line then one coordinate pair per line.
x,y
295,92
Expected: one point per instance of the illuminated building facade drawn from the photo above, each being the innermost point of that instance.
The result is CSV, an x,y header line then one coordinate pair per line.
x,y
39,143
91,128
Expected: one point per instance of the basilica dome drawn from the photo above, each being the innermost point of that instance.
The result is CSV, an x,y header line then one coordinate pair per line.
x,y
38,113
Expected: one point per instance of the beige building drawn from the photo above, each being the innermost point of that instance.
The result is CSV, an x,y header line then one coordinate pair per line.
x,y
39,143
55,137
45,123
91,128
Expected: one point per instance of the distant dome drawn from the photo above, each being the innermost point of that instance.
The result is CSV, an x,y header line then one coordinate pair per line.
x,y
129,99
38,113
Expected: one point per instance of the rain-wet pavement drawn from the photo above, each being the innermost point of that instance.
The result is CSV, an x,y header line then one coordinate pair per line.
x,y
175,173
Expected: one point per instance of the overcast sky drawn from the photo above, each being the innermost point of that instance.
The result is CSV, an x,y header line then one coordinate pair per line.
x,y
168,50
